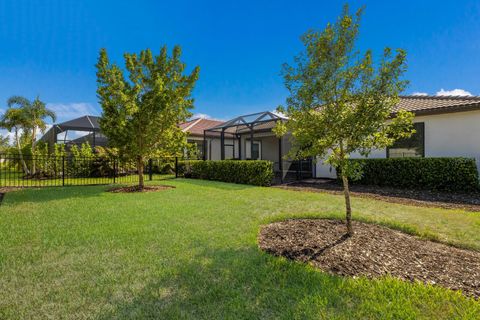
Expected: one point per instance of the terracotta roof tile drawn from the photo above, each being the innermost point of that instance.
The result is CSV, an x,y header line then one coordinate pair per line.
x,y
437,104
416,104
196,126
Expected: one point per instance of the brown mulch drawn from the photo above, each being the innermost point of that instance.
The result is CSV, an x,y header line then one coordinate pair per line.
x,y
373,251
130,189
423,198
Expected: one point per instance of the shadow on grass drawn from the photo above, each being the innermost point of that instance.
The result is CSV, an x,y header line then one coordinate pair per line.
x,y
214,184
233,284
249,284
44,194
442,199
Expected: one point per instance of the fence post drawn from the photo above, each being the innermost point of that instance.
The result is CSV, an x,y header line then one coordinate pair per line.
x,y
176,167
301,170
150,169
63,170
114,169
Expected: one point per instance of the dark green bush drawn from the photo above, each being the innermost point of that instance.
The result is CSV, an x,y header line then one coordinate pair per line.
x,y
442,174
163,166
253,172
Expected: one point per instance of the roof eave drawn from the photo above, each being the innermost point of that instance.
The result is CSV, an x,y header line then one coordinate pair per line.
x,y
444,110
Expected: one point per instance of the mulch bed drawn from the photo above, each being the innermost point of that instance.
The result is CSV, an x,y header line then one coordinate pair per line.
x,y
374,251
424,198
130,189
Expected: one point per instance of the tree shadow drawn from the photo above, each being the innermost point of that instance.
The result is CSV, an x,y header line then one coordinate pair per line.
x,y
320,251
443,199
45,194
234,284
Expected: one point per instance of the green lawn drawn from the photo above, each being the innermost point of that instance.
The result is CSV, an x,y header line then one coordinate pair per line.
x,y
191,253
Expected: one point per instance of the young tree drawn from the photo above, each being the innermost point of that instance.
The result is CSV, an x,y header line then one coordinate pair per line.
x,y
141,112
340,102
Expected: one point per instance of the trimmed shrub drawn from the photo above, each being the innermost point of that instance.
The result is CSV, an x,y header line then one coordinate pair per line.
x,y
442,174
253,172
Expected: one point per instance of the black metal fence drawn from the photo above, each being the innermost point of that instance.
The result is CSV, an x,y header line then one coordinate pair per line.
x,y
293,170
50,170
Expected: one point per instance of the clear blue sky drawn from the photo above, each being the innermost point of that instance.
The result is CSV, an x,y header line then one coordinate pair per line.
x,y
50,47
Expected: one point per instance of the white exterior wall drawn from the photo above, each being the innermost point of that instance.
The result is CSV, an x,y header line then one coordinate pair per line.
x,y
452,135
446,135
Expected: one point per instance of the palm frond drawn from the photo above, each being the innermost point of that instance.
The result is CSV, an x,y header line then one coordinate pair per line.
x,y
19,101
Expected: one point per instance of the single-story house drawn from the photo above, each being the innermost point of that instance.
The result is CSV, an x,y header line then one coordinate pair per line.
x,y
446,126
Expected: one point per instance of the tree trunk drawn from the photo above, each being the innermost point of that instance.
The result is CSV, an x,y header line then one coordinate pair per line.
x,y
33,151
25,168
348,208
141,183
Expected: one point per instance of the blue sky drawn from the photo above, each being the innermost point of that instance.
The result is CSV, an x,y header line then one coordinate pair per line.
x,y
49,47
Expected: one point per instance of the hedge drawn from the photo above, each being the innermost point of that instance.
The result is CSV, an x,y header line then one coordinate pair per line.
x,y
253,172
442,174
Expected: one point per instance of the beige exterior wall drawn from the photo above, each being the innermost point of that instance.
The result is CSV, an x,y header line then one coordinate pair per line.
x,y
268,150
213,149
446,135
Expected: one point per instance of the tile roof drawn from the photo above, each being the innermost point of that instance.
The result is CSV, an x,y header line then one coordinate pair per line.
x,y
196,126
437,104
420,105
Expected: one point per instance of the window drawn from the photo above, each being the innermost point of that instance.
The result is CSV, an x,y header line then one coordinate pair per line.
x,y
256,150
410,147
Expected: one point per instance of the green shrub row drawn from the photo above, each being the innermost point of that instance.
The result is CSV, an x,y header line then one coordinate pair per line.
x,y
253,172
442,174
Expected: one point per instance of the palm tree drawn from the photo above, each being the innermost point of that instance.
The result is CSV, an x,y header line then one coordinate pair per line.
x,y
36,113
14,119
29,117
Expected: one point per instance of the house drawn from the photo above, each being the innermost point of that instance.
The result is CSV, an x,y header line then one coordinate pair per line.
x,y
250,137
87,129
446,126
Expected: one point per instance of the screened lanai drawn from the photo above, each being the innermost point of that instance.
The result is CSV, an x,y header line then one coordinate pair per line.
x,y
248,126
76,132
250,137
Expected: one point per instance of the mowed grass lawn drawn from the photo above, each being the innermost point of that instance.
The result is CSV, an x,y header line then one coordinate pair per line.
x,y
191,253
